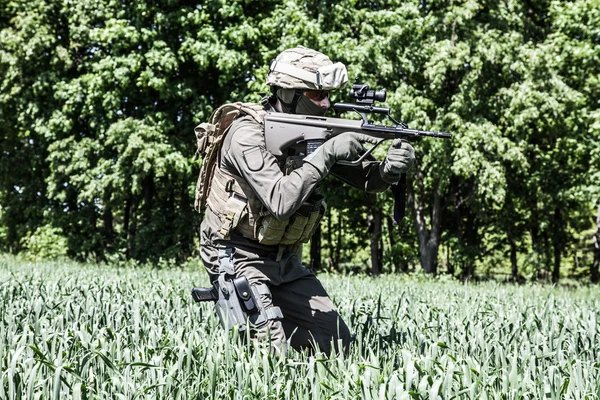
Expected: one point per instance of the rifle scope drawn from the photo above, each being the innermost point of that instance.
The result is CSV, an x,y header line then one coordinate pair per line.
x,y
363,94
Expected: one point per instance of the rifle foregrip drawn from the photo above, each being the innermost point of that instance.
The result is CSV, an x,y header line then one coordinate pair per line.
x,y
204,294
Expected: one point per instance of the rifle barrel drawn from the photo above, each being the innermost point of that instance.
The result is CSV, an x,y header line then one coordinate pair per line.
x,y
397,131
444,135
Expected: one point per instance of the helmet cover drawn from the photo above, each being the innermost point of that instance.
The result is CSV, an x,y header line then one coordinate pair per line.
x,y
304,68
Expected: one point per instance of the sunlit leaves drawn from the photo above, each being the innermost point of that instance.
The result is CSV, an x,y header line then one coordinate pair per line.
x,y
98,100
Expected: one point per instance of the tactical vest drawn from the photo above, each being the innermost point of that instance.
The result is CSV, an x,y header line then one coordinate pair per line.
x,y
233,200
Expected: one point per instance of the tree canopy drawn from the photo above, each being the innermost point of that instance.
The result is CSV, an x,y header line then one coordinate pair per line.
x,y
98,101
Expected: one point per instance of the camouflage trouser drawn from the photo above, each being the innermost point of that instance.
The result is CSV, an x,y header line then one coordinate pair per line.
x,y
309,317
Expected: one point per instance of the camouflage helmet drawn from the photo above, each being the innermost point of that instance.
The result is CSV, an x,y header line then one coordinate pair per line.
x,y
303,68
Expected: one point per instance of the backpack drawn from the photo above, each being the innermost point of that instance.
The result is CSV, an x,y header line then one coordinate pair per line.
x,y
209,139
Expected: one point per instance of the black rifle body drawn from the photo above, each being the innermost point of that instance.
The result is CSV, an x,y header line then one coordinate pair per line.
x,y
283,130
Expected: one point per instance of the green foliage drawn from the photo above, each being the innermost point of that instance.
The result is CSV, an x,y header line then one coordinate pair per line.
x,y
91,331
98,101
45,243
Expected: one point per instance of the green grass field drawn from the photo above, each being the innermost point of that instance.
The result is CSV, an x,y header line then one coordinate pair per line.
x,y
87,331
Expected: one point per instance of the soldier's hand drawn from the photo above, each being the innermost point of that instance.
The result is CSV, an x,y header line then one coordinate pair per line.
x,y
345,146
398,160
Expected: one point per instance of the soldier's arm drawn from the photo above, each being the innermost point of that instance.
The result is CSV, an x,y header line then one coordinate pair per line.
x,y
244,154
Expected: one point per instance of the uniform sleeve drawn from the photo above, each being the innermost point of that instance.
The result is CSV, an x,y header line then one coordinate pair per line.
x,y
244,154
364,177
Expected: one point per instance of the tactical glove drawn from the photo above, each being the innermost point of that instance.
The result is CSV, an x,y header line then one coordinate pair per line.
x,y
345,146
399,158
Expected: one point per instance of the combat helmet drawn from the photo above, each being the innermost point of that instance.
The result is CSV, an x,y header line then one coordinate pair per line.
x,y
304,68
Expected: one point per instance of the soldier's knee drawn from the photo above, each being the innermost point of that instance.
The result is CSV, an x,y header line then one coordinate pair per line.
x,y
336,338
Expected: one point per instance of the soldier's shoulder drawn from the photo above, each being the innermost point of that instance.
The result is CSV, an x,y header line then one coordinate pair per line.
x,y
250,115
246,121
246,131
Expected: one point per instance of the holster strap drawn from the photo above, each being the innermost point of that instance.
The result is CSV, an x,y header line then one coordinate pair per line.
x,y
272,313
267,313
226,261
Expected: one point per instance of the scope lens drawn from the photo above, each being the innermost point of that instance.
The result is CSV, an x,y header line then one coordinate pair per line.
x,y
363,94
379,95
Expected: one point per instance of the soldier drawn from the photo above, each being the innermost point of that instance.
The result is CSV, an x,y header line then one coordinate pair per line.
x,y
260,209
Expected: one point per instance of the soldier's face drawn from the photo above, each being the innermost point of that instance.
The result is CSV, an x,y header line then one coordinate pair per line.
x,y
319,97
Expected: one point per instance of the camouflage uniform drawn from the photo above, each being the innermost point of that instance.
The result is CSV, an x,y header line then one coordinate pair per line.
x,y
306,307
277,188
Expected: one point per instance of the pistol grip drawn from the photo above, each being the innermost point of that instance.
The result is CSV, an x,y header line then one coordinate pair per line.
x,y
204,294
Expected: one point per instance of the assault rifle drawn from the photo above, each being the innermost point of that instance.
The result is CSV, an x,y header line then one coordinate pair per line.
x,y
305,133
283,131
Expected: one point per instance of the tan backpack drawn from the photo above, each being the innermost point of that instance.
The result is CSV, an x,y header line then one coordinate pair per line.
x,y
209,138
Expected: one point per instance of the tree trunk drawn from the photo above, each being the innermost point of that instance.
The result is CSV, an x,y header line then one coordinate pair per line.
x,y
108,226
186,237
132,205
338,247
556,269
148,191
595,270
451,269
471,240
315,250
96,248
513,259
376,250
392,228
126,217
557,244
330,240
429,238
171,240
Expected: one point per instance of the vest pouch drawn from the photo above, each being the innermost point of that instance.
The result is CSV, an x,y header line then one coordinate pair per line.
x,y
235,210
271,230
205,136
297,225
314,220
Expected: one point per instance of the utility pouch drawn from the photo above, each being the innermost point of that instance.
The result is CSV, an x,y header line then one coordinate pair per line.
x,y
316,214
242,288
298,229
297,225
205,136
271,230
235,209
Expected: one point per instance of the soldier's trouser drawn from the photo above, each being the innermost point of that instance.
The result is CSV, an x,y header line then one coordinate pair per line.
x,y
310,320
